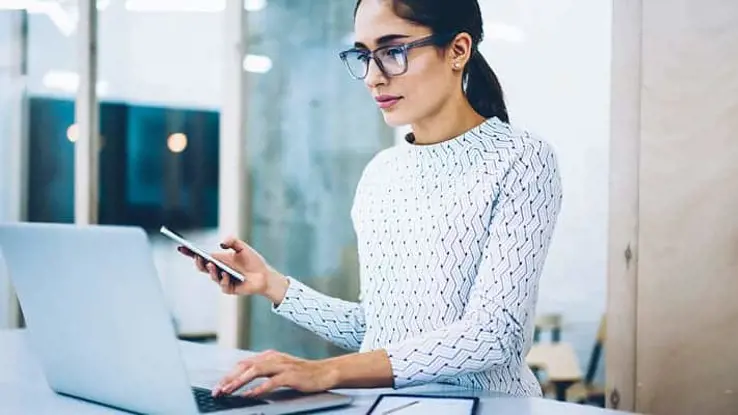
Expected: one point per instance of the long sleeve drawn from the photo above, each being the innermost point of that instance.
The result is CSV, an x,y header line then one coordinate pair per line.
x,y
338,321
493,330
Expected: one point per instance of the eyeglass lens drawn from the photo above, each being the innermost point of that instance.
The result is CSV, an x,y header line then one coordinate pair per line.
x,y
392,61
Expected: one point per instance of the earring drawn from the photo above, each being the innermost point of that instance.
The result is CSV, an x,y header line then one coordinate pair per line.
x,y
457,65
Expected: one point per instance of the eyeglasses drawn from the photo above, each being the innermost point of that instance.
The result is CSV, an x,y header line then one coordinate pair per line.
x,y
391,59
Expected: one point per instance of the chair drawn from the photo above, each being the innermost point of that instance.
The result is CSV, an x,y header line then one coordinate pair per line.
x,y
550,322
555,358
560,364
586,392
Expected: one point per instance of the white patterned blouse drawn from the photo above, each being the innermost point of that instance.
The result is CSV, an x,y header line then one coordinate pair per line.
x,y
452,239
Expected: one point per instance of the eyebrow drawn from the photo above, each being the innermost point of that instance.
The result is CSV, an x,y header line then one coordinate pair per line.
x,y
382,40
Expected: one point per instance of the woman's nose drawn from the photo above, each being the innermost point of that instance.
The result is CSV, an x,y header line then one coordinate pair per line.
x,y
374,75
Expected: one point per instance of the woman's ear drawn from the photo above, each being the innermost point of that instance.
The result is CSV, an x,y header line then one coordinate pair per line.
x,y
461,50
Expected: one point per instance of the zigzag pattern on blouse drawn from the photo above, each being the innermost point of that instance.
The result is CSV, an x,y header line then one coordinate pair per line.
x,y
452,241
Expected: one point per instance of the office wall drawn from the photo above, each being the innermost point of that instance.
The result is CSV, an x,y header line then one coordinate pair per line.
x,y
675,140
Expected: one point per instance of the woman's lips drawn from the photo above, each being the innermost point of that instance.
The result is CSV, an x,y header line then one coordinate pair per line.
x,y
387,101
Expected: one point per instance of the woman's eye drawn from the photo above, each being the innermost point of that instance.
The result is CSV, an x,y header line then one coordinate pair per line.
x,y
394,52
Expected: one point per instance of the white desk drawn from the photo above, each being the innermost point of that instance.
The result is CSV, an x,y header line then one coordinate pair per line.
x,y
23,389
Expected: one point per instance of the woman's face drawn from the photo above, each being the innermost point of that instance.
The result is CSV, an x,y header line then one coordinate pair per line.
x,y
429,81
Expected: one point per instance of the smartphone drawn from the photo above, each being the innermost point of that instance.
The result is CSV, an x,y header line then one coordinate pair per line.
x,y
207,257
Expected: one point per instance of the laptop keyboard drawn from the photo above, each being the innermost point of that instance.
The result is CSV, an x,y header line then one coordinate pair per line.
x,y
206,403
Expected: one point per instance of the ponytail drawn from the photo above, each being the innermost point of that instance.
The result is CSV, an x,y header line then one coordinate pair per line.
x,y
483,90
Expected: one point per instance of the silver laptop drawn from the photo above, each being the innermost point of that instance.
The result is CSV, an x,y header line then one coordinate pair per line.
x,y
97,320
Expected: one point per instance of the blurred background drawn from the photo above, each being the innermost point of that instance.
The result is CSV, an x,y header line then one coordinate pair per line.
x,y
163,82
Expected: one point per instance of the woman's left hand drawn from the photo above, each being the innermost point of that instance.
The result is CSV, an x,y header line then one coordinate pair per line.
x,y
282,370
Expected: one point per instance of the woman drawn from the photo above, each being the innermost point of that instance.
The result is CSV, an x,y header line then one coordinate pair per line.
x,y
452,229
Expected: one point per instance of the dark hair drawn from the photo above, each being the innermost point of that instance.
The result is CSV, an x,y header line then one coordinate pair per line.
x,y
483,89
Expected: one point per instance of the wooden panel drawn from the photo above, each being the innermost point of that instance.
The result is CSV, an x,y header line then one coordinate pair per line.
x,y
687,327
623,223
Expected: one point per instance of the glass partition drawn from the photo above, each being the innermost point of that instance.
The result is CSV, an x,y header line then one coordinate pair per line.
x,y
53,80
311,131
159,89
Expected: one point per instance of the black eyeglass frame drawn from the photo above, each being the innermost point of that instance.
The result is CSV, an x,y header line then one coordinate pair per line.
x,y
434,39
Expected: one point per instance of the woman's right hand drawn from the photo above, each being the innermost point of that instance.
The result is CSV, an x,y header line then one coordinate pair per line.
x,y
260,278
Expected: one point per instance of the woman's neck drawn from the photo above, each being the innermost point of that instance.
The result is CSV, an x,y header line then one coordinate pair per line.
x,y
449,122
